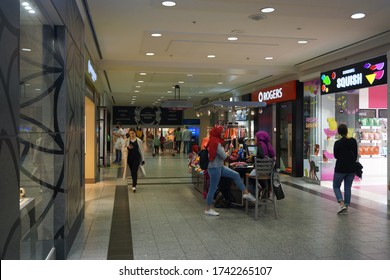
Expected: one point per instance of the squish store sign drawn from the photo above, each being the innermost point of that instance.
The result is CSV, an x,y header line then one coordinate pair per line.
x,y
283,92
360,75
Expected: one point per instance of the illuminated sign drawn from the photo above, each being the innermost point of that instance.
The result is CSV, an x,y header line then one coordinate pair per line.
x,y
280,93
360,75
92,71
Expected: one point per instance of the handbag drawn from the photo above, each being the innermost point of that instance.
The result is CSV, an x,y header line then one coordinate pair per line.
x,y
359,169
141,171
278,190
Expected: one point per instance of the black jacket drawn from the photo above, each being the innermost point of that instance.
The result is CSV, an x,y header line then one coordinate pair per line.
x,y
345,151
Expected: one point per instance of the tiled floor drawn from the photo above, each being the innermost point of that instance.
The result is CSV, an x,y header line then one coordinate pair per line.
x,y
168,222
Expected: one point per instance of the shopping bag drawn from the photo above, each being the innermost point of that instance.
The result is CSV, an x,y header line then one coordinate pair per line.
x,y
278,190
124,163
141,171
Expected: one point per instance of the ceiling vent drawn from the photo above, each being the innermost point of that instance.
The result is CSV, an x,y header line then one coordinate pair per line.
x,y
257,17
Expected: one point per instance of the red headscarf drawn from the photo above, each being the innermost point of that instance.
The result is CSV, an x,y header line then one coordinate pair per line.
x,y
215,139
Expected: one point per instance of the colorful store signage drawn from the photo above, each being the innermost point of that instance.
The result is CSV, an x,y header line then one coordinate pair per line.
x,y
147,116
364,74
280,93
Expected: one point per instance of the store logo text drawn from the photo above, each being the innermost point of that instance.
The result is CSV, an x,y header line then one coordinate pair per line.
x,y
271,94
351,80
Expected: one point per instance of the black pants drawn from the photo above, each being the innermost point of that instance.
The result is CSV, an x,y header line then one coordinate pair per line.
x,y
134,165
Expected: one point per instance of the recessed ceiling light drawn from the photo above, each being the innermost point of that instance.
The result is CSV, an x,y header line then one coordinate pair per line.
x,y
269,58
25,4
302,42
156,35
358,16
140,81
181,82
267,10
31,11
190,75
220,83
27,7
136,91
142,74
211,56
168,3
137,86
26,49
232,38
149,53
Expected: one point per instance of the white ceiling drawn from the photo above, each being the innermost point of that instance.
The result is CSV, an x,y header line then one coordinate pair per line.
x,y
194,29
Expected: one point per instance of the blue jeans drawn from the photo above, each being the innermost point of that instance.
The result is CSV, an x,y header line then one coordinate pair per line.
x,y
215,174
187,147
118,156
338,178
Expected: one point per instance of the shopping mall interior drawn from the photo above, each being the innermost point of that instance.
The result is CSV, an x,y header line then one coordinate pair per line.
x,y
77,76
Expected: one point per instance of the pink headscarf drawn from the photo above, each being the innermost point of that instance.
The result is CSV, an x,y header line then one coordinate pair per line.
x,y
263,139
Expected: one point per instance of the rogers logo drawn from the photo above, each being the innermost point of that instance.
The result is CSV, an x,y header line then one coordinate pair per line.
x,y
271,94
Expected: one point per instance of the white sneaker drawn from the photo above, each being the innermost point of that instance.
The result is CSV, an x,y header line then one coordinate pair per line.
x,y
341,209
134,189
211,212
249,197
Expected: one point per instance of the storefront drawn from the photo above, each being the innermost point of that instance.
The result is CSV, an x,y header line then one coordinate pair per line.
x,y
91,125
282,119
355,95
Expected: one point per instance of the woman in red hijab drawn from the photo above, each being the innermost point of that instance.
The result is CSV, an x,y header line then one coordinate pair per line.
x,y
216,169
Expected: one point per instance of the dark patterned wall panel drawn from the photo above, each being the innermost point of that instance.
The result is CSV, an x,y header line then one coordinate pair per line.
x,y
9,125
69,205
70,15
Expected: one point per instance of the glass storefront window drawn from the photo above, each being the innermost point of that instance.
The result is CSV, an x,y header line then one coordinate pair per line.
x,y
38,145
311,150
366,122
285,147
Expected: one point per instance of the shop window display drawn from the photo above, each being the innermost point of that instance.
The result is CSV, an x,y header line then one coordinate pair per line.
x,y
311,151
368,125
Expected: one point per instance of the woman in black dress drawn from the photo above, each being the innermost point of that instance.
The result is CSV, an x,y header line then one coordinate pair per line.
x,y
135,156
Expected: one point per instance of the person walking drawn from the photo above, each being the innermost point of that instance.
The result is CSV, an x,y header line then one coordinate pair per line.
x,y
135,156
178,138
162,142
156,145
187,137
216,169
345,151
120,142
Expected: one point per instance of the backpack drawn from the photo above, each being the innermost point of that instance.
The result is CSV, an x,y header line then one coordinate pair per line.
x,y
204,159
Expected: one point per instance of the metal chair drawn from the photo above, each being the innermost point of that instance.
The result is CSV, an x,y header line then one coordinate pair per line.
x,y
264,169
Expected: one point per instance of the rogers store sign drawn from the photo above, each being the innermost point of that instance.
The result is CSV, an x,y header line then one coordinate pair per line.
x,y
280,93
